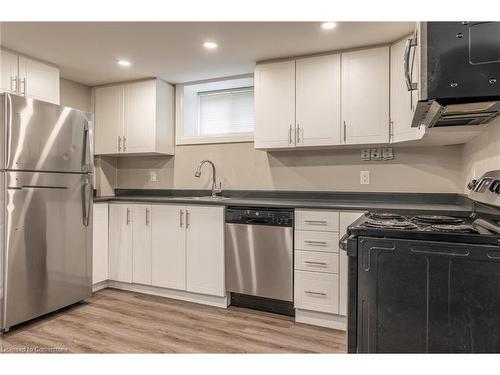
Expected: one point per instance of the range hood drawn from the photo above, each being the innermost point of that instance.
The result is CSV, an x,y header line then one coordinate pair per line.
x,y
459,80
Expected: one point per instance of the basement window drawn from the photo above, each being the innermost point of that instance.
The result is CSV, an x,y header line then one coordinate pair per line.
x,y
216,112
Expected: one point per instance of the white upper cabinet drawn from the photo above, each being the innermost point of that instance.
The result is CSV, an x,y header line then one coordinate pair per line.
x,y
403,101
318,101
38,80
23,76
365,96
169,246
205,250
134,118
275,105
108,120
8,73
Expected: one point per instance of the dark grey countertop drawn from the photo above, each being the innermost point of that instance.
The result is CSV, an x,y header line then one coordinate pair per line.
x,y
445,204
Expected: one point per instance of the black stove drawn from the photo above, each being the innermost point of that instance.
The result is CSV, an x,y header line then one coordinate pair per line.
x,y
421,283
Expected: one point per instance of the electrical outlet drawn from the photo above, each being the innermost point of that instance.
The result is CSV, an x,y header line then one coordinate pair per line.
x,y
364,177
375,154
153,177
387,153
365,154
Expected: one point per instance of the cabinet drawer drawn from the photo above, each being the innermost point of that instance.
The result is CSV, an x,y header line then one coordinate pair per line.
x,y
319,220
316,291
317,241
316,261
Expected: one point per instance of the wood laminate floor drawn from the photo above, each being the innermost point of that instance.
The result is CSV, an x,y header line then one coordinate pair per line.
x,y
115,321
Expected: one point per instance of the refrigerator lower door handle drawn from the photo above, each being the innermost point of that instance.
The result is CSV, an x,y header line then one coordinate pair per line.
x,y
86,199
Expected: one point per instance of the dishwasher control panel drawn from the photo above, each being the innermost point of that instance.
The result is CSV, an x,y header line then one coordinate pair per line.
x,y
280,217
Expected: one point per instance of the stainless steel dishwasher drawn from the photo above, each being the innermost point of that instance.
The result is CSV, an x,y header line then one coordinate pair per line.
x,y
259,258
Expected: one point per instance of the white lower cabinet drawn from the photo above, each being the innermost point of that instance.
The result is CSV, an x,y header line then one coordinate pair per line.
x,y
141,244
100,271
168,246
320,286
120,243
205,250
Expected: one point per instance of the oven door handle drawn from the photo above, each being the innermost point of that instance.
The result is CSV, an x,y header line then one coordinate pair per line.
x,y
343,242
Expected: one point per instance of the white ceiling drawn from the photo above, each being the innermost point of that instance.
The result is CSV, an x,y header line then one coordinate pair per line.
x,y
87,52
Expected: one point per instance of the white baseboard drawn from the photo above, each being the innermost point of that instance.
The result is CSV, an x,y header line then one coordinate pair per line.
x,y
321,319
98,286
203,299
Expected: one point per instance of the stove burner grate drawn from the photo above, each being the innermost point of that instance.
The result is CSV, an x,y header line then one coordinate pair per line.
x,y
453,228
389,224
385,216
437,219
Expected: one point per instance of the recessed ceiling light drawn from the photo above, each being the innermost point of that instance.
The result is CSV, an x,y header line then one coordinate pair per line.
x,y
124,63
328,25
210,45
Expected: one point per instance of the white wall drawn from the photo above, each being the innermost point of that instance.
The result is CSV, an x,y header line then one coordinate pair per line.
x,y
482,153
75,95
240,166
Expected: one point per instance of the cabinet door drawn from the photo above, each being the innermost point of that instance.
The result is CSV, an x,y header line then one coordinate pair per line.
x,y
205,250
140,117
318,101
169,246
346,219
365,96
38,80
100,271
141,244
120,243
402,101
8,72
108,117
275,105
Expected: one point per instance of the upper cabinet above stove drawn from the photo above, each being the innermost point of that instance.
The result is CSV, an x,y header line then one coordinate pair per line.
x,y
24,76
347,99
134,118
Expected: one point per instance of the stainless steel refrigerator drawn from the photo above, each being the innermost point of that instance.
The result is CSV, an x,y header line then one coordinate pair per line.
x,y
46,166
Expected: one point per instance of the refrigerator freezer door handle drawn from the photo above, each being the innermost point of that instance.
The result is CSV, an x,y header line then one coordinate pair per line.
x,y
86,148
86,199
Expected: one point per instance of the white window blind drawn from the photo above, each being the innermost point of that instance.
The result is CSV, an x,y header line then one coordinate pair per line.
x,y
226,112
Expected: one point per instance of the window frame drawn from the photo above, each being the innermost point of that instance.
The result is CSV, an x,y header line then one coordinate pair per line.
x,y
223,84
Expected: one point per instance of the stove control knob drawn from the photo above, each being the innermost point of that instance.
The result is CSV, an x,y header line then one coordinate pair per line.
x,y
472,184
497,189
494,186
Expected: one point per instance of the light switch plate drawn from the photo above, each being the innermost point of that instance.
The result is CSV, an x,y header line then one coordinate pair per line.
x,y
375,154
387,153
364,177
365,154
153,177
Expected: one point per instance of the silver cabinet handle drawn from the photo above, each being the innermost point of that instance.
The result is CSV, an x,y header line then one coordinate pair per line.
x,y
409,44
290,140
147,217
128,216
391,130
315,293
316,222
318,263
181,215
345,132
297,134
187,219
13,84
316,242
23,86
124,143
119,144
